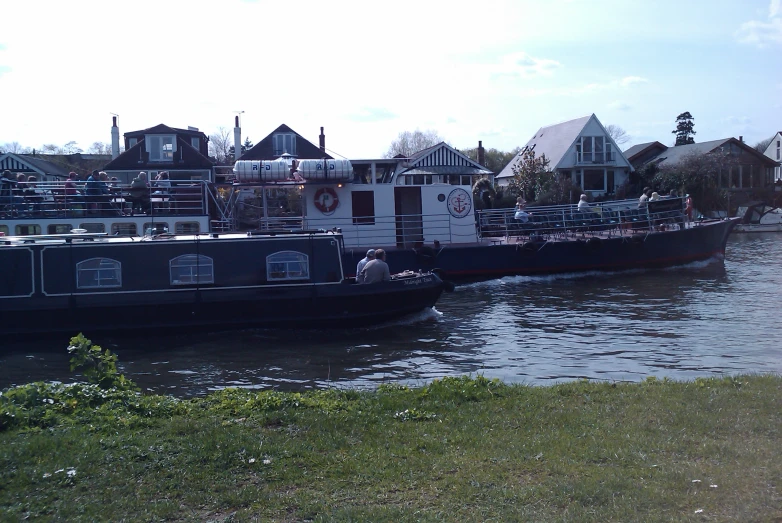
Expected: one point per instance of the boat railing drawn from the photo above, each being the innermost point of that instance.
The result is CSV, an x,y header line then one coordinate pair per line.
x,y
58,199
614,218
403,231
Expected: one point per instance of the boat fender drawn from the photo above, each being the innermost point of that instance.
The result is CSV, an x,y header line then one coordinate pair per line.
x,y
594,243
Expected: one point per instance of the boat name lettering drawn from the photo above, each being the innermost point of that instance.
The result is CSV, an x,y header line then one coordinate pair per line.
x,y
419,281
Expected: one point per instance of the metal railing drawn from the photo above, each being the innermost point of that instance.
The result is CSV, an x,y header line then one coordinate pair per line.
x,y
621,218
64,199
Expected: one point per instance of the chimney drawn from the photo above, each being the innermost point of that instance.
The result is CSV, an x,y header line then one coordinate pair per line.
x,y
481,153
322,141
114,138
237,139
741,139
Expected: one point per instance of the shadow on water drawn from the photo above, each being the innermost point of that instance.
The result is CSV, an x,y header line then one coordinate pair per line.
x,y
702,319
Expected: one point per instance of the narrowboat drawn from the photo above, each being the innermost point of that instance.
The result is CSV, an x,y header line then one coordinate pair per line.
x,y
84,282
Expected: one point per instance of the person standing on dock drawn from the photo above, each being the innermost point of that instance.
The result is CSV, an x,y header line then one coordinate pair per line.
x,y
368,258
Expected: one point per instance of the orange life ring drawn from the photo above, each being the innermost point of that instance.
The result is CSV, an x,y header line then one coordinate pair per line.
x,y
326,200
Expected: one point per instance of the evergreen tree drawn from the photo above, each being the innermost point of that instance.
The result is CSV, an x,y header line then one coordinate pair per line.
x,y
684,129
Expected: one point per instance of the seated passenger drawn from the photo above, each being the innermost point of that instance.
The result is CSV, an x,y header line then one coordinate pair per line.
x,y
138,195
368,258
376,270
583,205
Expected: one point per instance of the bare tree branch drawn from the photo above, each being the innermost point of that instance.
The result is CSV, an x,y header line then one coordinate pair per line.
x,y
617,134
408,143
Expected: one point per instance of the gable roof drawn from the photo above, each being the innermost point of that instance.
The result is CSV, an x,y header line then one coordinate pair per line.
x,y
555,141
442,159
26,163
264,150
135,159
640,148
164,129
673,155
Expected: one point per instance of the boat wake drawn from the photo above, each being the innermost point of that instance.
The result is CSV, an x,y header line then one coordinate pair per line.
x,y
550,278
428,314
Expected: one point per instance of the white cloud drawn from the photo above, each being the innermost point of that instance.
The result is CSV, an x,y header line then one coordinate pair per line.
x,y
620,106
763,33
629,81
522,64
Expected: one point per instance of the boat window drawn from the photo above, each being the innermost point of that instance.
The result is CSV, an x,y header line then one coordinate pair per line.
x,y
3,230
151,228
93,227
191,268
98,273
28,229
187,228
287,265
363,207
123,229
59,228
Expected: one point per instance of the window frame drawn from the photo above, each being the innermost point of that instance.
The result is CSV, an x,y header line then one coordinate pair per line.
x,y
364,207
190,261
115,266
302,259
161,147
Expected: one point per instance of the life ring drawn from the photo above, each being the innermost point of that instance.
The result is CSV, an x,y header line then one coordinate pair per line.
x,y
326,200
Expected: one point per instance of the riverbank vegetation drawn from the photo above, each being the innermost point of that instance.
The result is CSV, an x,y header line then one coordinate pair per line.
x,y
457,449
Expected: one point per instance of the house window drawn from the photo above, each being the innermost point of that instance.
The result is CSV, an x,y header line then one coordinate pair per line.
x,y
610,181
777,151
98,273
195,143
191,268
363,207
284,143
132,142
287,265
594,180
609,153
161,148
586,148
598,147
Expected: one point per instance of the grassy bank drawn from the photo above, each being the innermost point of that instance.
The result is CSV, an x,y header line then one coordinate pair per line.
x,y
459,449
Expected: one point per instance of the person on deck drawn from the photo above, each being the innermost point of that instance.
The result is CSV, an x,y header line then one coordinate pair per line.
x,y
376,270
644,199
138,195
368,258
583,205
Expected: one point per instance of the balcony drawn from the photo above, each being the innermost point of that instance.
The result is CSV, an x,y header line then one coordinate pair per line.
x,y
595,158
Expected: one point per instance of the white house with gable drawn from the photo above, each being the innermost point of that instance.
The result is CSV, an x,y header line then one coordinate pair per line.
x,y
774,151
581,149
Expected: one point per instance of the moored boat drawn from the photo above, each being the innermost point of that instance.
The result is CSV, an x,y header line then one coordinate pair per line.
x,y
88,282
759,217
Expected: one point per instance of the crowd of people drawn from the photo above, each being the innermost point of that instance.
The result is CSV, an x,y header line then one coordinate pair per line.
x,y
97,194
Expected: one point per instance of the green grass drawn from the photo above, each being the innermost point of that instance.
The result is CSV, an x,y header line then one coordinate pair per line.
x,y
458,449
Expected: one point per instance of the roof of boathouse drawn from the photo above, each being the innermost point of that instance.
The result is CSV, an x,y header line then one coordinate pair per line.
x,y
442,159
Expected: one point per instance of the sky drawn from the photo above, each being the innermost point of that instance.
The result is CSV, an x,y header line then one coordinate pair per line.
x,y
494,70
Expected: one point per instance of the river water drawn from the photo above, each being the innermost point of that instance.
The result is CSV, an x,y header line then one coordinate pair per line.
x,y
705,319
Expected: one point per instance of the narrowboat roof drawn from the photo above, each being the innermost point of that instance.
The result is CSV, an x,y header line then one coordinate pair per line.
x,y
105,238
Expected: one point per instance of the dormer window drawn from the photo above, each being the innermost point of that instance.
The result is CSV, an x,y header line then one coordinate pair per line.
x,y
194,143
284,143
132,142
161,148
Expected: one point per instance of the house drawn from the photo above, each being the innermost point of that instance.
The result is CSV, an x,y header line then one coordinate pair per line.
x,y
774,151
580,149
33,165
284,141
752,169
183,153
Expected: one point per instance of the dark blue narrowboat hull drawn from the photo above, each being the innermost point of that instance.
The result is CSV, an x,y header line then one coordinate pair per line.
x,y
40,291
619,252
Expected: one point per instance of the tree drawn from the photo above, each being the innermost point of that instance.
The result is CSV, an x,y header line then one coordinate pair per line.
x,y
698,174
617,134
50,148
494,159
99,148
684,129
220,146
762,145
246,146
71,148
531,175
408,143
14,147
